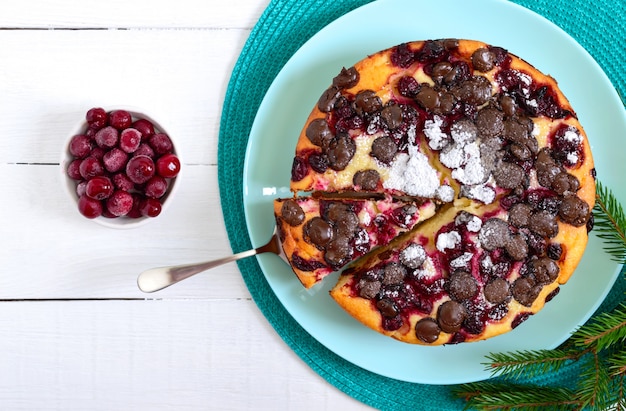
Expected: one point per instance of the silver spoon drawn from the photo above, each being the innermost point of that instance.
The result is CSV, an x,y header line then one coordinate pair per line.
x,y
156,279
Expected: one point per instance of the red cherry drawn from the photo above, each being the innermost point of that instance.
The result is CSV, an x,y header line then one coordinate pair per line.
x,y
97,117
99,188
89,207
140,169
150,207
120,119
168,166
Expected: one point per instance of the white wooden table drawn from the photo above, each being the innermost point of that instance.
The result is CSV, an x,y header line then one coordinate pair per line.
x,y
76,333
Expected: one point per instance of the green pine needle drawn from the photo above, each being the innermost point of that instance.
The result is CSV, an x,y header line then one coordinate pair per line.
x,y
603,331
617,363
610,223
529,364
490,396
594,384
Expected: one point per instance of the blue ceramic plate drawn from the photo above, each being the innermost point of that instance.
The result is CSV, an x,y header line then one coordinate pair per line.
x,y
380,25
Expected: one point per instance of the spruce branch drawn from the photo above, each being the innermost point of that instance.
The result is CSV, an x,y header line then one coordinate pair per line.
x,y
529,363
603,331
490,396
617,363
594,384
610,223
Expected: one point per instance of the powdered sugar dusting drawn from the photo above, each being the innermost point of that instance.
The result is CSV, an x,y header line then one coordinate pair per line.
x,y
448,240
437,139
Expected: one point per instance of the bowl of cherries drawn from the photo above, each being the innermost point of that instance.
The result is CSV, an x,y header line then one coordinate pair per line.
x,y
121,167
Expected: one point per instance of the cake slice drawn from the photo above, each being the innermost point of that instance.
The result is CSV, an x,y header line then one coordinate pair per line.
x,y
321,235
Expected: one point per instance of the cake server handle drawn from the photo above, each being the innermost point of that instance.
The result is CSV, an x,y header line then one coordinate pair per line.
x,y
156,279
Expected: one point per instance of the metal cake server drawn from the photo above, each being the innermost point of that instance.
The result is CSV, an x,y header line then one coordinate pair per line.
x,y
156,279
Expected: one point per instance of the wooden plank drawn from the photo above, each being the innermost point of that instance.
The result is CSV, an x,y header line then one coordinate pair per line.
x,y
51,251
49,79
180,355
136,13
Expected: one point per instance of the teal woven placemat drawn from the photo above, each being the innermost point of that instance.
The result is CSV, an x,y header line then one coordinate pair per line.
x,y
284,26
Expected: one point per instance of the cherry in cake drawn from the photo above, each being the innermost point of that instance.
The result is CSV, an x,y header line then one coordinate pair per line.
x,y
488,139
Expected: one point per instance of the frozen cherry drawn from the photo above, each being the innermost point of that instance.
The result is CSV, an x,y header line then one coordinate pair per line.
x,y
120,119
81,188
90,167
119,203
97,118
98,152
161,143
89,207
144,150
107,137
150,207
114,160
140,169
135,212
73,170
80,146
145,127
122,182
130,139
168,166
155,187
99,188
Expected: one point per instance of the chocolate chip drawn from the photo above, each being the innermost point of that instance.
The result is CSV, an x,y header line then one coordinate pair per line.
x,y
508,105
515,131
394,273
367,101
494,233
474,91
347,224
413,256
387,308
440,70
520,151
368,288
544,270
483,59
366,179
347,78
490,122
428,97
497,291
525,291
384,149
462,286
427,330
450,316
519,215
517,247
447,103
508,175
340,151
574,210
327,100
338,252
543,223
292,213
547,168
318,232
318,162
564,183
318,132
392,116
